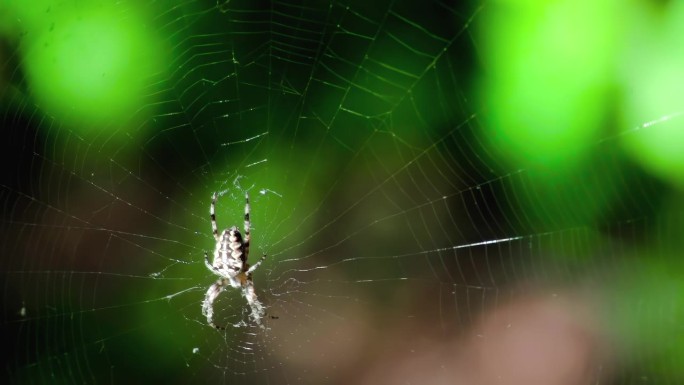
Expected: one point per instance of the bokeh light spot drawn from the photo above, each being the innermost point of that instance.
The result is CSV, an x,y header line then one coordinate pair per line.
x,y
87,67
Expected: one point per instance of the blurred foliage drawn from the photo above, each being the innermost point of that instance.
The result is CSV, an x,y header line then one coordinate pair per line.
x,y
548,66
87,63
651,73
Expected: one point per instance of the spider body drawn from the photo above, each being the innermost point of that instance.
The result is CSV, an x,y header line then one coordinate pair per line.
x,y
230,264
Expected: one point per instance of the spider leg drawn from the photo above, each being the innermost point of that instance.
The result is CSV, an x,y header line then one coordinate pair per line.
x,y
212,213
247,222
254,304
209,265
247,226
254,266
208,303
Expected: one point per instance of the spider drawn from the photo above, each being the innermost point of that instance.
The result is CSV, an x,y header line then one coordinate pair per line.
x,y
230,264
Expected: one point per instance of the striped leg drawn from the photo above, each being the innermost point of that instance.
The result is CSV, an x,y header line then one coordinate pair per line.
x,y
212,212
211,267
208,303
247,226
254,266
257,308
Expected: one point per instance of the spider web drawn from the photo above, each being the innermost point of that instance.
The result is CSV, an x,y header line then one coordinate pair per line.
x,y
391,228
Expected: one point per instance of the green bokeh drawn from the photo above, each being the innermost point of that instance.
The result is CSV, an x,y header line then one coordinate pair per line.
x,y
545,89
653,78
546,81
86,62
